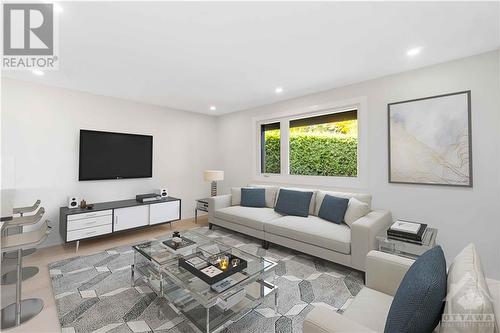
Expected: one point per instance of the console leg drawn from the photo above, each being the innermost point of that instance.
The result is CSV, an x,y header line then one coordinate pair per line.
x,y
77,245
210,226
265,245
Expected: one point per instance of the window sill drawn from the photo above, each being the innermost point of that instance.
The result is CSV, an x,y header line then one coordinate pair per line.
x,y
319,181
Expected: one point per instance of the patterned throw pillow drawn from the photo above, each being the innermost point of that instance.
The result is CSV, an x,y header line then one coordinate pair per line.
x,y
419,301
293,202
253,197
333,209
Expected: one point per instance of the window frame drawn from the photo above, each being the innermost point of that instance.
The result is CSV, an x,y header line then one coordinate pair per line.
x,y
263,146
284,118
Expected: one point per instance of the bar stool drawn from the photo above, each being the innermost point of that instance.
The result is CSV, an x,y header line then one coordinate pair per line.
x,y
22,310
21,211
20,222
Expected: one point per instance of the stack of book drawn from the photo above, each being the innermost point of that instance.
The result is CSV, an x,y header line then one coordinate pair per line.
x,y
407,231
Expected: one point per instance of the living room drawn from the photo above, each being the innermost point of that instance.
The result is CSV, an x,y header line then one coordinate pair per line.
x,y
264,131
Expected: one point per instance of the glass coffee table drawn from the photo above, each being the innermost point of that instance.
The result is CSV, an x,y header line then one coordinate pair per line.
x,y
207,310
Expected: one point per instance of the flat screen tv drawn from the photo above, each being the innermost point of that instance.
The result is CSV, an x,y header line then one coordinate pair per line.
x,y
108,155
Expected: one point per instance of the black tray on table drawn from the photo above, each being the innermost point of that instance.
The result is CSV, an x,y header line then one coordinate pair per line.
x,y
185,242
214,279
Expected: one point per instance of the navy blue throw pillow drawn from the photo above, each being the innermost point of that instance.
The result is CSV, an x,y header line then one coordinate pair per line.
x,y
253,197
419,301
333,209
293,202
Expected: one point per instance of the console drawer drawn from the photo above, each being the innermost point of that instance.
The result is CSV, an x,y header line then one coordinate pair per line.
x,y
89,222
89,232
90,214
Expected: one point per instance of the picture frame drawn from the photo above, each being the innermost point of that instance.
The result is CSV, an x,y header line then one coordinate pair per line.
x,y
430,140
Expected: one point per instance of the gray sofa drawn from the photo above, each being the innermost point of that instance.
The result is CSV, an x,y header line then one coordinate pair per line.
x,y
312,235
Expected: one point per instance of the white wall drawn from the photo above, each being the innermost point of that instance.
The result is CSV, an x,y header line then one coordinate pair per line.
x,y
40,134
462,215
40,149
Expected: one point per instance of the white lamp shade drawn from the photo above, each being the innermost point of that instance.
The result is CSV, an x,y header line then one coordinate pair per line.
x,y
213,175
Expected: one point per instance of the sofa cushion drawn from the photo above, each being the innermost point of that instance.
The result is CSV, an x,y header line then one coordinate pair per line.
x,y
418,303
369,308
313,198
294,203
312,230
324,319
333,209
355,210
251,217
466,280
270,194
320,195
235,196
253,197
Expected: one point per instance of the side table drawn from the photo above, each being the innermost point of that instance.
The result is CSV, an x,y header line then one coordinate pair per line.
x,y
407,249
201,205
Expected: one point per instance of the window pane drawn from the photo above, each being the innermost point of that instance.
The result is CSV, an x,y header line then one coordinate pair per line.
x,y
270,148
325,145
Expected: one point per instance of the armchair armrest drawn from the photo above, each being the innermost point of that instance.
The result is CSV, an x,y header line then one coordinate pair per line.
x,y
363,235
218,202
384,271
324,320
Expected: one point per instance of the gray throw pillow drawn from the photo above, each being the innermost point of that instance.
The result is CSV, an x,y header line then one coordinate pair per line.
x,y
419,301
253,197
333,209
294,203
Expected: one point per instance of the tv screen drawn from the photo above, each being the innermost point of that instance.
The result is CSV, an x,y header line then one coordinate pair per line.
x,y
107,155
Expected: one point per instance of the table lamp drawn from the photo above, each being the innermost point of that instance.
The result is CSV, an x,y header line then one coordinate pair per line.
x,y
213,176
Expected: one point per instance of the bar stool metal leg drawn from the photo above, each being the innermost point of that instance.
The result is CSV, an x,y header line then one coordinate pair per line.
x,y
22,310
27,252
27,272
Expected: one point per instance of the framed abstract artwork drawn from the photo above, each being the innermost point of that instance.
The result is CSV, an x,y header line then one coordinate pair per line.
x,y
430,140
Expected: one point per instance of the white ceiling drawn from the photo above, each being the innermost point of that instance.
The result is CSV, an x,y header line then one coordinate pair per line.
x,y
190,55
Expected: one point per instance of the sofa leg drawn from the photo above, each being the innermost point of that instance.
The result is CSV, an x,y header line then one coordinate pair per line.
x,y
265,245
210,226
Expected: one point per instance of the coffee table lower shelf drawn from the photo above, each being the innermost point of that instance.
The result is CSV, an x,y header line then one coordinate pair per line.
x,y
205,319
214,319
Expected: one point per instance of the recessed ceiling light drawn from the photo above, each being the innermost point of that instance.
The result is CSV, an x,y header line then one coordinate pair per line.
x,y
37,72
414,51
213,108
278,90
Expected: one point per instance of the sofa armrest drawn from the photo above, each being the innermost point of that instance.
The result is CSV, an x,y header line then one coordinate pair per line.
x,y
218,202
363,235
324,320
384,271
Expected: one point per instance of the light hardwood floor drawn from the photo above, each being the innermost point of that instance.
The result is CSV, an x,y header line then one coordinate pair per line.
x,y
40,285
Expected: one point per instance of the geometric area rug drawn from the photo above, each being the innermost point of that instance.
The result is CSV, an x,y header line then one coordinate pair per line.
x,y
93,292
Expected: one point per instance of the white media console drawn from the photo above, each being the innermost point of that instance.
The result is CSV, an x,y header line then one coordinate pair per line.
x,y
106,218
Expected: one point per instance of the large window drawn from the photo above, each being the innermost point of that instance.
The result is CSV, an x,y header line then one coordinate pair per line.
x,y
324,144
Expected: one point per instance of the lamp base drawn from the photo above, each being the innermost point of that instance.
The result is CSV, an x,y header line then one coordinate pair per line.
x,y
213,189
